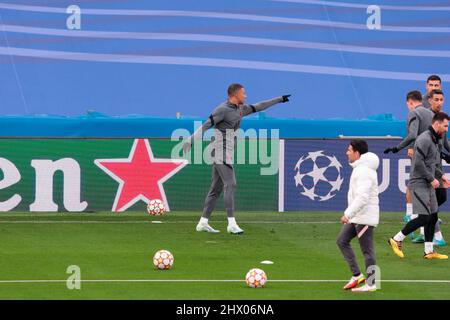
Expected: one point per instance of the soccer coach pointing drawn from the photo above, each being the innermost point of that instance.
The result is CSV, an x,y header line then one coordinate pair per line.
x,y
226,119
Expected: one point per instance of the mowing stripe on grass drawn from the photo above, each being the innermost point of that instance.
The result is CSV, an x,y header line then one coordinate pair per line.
x,y
211,280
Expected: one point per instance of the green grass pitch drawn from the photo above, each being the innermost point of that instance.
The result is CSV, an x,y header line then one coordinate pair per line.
x,y
109,246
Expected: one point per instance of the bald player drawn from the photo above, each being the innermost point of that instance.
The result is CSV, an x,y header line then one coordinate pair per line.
x,y
226,119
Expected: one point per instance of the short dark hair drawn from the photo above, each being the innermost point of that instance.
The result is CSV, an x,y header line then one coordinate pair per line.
x,y
435,91
359,145
440,116
434,77
234,88
414,95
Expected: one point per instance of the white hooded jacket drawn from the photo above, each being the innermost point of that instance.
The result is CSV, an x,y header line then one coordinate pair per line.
x,y
363,204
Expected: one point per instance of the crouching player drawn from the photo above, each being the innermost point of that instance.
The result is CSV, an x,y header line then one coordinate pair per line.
x,y
362,214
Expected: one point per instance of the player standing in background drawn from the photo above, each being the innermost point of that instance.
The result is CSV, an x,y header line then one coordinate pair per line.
x,y
362,214
413,100
226,119
425,172
421,120
436,103
433,82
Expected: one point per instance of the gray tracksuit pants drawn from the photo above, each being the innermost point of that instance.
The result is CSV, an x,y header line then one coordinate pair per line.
x,y
223,179
365,237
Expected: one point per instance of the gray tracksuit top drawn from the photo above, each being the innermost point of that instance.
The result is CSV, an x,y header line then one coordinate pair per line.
x,y
425,165
226,119
425,102
419,120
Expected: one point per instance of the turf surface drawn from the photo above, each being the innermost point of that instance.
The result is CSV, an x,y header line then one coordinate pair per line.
x,y
108,246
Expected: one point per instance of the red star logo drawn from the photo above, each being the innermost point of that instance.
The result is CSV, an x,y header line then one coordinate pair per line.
x,y
140,176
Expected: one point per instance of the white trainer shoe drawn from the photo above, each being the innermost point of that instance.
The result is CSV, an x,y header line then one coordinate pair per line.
x,y
234,229
365,288
206,228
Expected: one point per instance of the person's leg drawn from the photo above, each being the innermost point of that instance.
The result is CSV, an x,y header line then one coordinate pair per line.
x,y
441,196
429,230
210,202
421,199
438,239
409,211
429,227
429,233
420,237
214,193
348,232
420,221
226,173
365,237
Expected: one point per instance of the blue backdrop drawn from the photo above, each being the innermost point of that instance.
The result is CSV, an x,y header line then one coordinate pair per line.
x,y
329,190
162,57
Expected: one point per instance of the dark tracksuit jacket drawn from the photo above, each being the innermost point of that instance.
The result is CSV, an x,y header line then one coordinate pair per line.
x,y
419,120
425,166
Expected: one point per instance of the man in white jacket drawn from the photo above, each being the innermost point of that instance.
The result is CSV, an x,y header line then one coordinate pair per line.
x,y
362,214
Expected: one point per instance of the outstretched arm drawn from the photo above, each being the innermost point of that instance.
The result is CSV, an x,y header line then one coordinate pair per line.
x,y
412,134
216,116
263,105
410,138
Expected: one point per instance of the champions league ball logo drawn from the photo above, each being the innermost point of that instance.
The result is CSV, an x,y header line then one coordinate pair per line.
x,y
318,176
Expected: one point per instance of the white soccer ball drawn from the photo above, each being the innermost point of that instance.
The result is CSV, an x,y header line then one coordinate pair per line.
x,y
156,208
163,260
256,278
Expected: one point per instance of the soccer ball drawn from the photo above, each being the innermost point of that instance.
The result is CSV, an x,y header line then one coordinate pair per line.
x,y
163,260
256,278
156,208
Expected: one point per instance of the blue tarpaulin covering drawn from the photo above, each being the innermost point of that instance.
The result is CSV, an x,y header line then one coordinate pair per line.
x,y
161,57
101,126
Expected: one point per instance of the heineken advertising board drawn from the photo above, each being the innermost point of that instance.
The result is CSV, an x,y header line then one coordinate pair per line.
x,y
85,175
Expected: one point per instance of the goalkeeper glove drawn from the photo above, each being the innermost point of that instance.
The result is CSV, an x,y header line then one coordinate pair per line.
x,y
285,98
393,150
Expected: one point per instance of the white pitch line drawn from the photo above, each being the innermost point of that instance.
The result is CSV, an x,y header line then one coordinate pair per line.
x,y
213,280
164,222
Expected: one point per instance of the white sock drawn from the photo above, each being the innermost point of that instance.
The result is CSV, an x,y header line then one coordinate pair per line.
x,y
409,208
413,216
203,220
422,232
428,247
399,236
438,236
232,221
